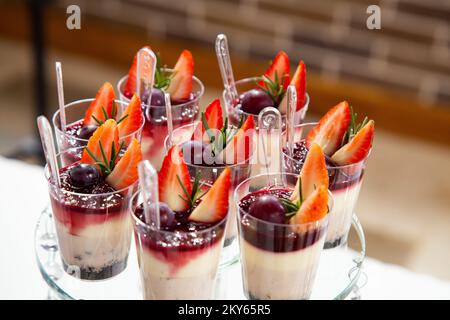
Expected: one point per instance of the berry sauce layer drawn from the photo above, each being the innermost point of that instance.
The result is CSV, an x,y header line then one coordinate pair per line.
x,y
340,177
277,238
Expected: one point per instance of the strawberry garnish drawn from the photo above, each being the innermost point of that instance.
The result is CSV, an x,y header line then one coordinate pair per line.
x,y
278,70
101,108
180,87
314,208
214,206
239,148
214,119
358,147
330,130
132,117
174,180
103,147
125,172
299,81
130,85
312,175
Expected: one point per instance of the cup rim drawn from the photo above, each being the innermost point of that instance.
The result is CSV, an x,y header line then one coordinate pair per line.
x,y
48,176
231,166
316,223
361,162
197,97
153,228
76,102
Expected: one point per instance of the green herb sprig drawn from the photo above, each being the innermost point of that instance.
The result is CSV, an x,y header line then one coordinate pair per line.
x,y
195,195
106,115
353,127
274,88
162,79
106,165
292,207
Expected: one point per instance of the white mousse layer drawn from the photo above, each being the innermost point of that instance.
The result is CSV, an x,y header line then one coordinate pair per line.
x,y
279,275
95,246
340,217
191,276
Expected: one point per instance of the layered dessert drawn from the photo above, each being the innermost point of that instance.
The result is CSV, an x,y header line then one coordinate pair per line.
x,y
269,90
91,205
211,145
185,92
85,116
282,227
346,144
179,258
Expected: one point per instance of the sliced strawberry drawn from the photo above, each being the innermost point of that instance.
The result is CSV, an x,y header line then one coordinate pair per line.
x,y
134,117
330,129
103,99
213,115
299,81
180,87
107,134
214,206
239,148
358,148
170,189
280,66
313,173
130,85
125,173
314,208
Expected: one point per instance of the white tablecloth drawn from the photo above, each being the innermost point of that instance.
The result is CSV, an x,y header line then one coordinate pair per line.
x,y
23,193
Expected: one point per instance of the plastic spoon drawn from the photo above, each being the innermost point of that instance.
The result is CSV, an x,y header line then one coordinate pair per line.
x,y
48,144
169,119
148,180
223,57
59,84
290,120
145,73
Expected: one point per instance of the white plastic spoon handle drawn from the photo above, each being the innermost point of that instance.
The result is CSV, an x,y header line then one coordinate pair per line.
x,y
290,117
145,73
48,144
270,126
169,119
148,180
226,70
60,86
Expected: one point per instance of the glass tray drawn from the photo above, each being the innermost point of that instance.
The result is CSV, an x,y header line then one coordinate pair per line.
x,y
340,274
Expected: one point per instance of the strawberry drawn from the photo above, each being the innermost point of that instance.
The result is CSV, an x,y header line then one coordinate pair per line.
x,y
239,148
357,148
331,128
299,81
180,86
103,103
130,85
132,117
125,173
313,174
213,116
279,66
105,138
314,208
214,205
174,180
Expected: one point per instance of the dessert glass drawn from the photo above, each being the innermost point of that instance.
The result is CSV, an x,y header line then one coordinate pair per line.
x,y
93,230
208,174
176,265
345,183
74,115
235,115
279,261
155,128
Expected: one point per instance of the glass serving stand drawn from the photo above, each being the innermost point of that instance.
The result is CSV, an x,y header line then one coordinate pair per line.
x,y
340,275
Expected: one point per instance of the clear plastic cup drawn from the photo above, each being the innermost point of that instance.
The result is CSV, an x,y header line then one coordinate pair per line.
x,y
176,265
345,183
155,128
93,230
279,261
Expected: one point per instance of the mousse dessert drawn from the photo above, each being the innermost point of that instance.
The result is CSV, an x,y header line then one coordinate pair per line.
x,y
129,118
91,205
179,259
346,144
211,145
282,227
185,92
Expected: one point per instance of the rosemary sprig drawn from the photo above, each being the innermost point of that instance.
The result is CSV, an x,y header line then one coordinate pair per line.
x,y
292,207
106,115
162,79
353,127
106,166
274,88
194,196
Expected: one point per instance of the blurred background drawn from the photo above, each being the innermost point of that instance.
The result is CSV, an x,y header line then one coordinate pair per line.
x,y
398,75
